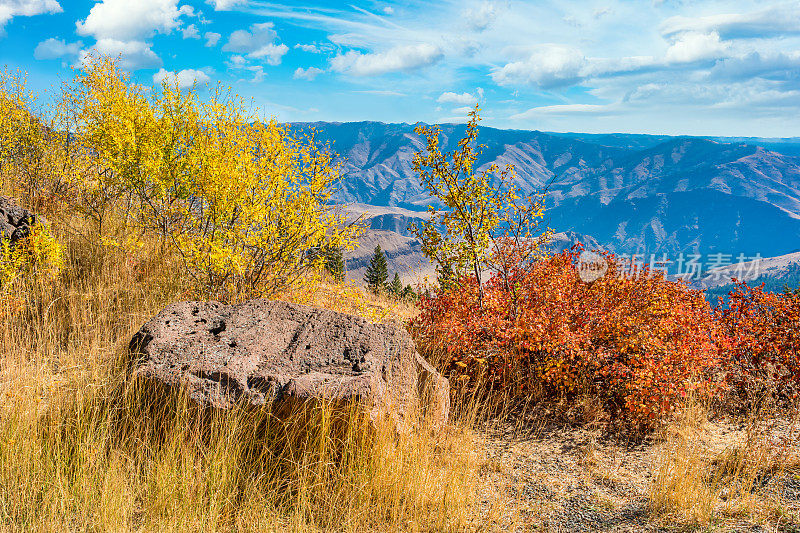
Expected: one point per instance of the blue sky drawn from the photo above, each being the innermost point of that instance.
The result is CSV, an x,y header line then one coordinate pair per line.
x,y
674,67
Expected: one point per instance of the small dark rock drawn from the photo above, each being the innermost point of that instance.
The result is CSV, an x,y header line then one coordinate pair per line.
x,y
15,221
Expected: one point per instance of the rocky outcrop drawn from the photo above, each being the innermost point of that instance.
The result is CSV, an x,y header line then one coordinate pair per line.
x,y
15,222
263,352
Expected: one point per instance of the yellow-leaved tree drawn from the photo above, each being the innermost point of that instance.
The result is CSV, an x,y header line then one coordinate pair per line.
x,y
244,203
29,149
32,148
483,223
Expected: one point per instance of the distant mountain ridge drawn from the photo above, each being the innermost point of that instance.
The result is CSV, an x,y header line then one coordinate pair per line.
x,y
633,193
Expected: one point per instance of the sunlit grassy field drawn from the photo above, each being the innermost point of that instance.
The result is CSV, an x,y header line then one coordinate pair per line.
x,y
82,447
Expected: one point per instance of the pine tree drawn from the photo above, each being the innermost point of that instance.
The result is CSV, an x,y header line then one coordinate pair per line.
x,y
377,272
408,294
334,262
396,288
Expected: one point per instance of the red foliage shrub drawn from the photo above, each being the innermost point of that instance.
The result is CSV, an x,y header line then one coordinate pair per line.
x,y
763,334
637,343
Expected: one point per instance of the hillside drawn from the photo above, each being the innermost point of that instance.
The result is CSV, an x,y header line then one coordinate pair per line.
x,y
633,193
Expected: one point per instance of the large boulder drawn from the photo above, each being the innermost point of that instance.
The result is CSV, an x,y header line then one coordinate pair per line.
x,y
15,221
266,352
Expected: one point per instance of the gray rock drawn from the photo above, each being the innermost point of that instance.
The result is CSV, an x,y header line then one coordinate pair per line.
x,y
266,352
15,222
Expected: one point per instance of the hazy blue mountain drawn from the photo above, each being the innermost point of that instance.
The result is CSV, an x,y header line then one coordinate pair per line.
x,y
633,193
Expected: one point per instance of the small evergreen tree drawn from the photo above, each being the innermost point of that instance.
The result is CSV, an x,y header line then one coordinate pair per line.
x,y
377,272
334,262
408,294
396,288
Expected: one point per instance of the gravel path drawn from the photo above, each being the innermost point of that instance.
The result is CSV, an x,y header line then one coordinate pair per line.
x,y
564,479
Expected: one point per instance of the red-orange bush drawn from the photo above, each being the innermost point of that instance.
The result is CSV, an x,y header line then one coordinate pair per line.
x,y
637,342
763,333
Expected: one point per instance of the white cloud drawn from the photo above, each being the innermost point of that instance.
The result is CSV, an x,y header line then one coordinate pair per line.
x,y
774,66
547,66
125,20
692,46
25,8
481,17
310,48
258,43
212,38
238,62
399,58
462,110
773,21
553,66
54,48
133,55
380,92
250,41
463,98
564,110
271,53
185,79
190,32
307,74
389,10
226,5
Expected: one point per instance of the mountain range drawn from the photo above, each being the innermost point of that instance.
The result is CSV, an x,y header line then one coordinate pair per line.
x,y
633,194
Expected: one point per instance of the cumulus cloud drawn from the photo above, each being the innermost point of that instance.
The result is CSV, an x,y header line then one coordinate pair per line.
x,y
547,66
257,43
185,79
25,8
212,38
399,58
55,48
271,53
190,32
307,73
773,21
249,41
462,99
124,20
226,5
133,55
693,46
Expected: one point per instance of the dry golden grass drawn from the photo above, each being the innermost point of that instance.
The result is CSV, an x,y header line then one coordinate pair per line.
x,y
321,290
82,447
703,476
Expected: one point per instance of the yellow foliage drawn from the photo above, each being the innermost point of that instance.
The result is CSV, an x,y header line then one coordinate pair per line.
x,y
39,254
483,222
244,203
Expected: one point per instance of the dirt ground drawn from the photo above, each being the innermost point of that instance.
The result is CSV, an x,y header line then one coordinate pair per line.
x,y
572,479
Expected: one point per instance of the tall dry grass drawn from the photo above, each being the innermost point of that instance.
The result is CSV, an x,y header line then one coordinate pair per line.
x,y
83,447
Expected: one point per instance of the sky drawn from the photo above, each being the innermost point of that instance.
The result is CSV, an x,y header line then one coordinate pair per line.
x,y
673,67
